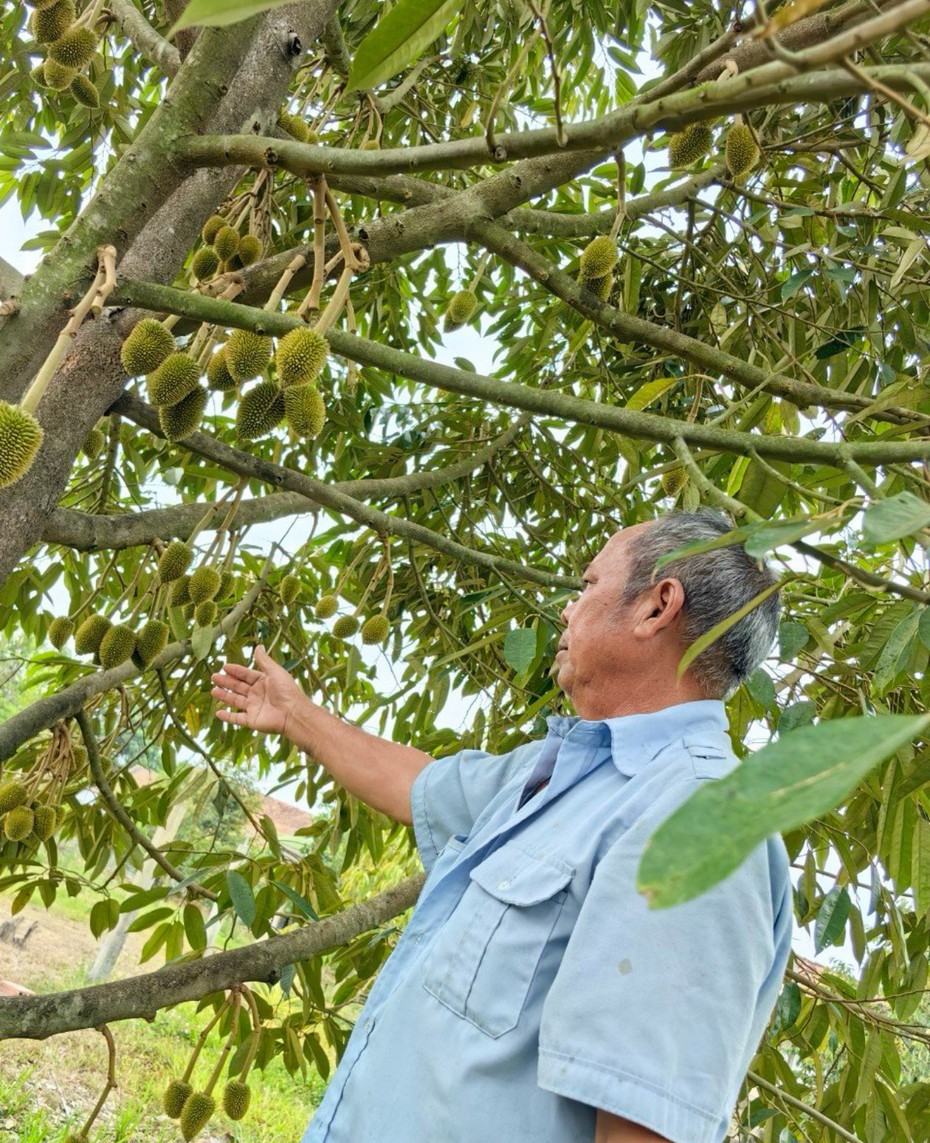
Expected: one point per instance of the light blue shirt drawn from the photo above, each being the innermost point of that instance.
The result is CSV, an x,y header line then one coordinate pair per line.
x,y
532,984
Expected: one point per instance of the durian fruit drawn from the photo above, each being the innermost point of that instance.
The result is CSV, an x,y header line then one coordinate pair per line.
x,y
461,309
152,637
20,440
326,606
174,561
226,583
18,823
259,411
226,243
204,584
236,1097
212,227
250,249
175,379
205,263
247,354
89,635
180,420
688,145
74,49
50,23
305,410
294,125
93,445
175,1097
601,287
376,629
45,821
205,613
179,595
60,631
58,76
196,1113
85,92
598,258
37,75
218,376
312,137
300,356
117,646
741,150
345,627
289,589
40,4
674,480
146,347
13,794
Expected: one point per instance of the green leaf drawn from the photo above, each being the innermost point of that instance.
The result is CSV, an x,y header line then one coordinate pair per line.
x,y
397,40
792,636
923,627
896,652
760,686
194,926
800,713
782,786
831,919
764,538
520,648
890,519
787,1008
202,642
218,13
651,391
795,282
301,902
240,893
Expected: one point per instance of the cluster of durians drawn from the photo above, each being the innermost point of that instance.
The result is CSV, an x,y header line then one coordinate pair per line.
x,y
375,629
197,592
23,817
691,143
68,48
111,644
225,249
194,1109
299,128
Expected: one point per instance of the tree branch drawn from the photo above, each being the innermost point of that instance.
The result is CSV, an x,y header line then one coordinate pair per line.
x,y
144,38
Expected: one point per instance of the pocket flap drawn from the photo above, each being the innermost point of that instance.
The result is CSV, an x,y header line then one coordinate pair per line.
x,y
520,878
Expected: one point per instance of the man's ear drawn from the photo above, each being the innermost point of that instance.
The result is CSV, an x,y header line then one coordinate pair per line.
x,y
661,607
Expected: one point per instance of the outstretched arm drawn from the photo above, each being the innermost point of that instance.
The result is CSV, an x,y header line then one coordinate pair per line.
x,y
266,698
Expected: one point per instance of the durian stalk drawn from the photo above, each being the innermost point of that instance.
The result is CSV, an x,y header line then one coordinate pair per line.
x,y
336,302
353,262
256,1032
296,263
312,300
228,1045
202,1039
107,1087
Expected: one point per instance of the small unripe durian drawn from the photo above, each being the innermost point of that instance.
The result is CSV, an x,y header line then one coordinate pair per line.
x,y
74,49
196,1113
205,263
247,354
58,76
18,823
674,480
93,445
218,376
204,584
212,227
598,258
226,584
50,23
741,149
326,606
688,145
376,629
13,794
84,91
117,646
174,561
305,410
152,637
175,1097
40,4
205,613
226,243
175,379
294,125
20,440
371,145
180,420
179,595
45,822
250,249
146,347
300,356
345,627
60,631
236,1097
601,287
289,589
89,635
259,411
461,309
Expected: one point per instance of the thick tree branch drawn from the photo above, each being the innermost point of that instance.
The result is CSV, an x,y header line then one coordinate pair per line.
x,y
334,44
144,38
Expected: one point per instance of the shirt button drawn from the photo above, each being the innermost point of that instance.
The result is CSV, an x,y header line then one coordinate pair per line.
x,y
504,885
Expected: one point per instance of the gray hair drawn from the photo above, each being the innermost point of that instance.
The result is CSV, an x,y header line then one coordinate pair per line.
x,y
716,584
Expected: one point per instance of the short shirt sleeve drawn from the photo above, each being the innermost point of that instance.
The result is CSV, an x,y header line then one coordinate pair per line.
x,y
655,1014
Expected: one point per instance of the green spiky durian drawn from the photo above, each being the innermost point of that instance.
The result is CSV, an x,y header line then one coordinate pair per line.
x,y
376,629
371,145
601,287
205,263
247,354
300,356
40,4
175,1097
175,379
294,125
326,606
289,589
85,92
259,411
45,822
674,480
18,823
218,376
180,420
174,561
152,637
58,76
89,635
688,145
13,794
741,150
179,595
250,249
60,631
305,410
345,627
226,243
227,579
204,584
461,309
212,227
117,646
50,23
196,1113
598,258
236,1097
74,49
205,613
146,347
20,440
93,444
37,75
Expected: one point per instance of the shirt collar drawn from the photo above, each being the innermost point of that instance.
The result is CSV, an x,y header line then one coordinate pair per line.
x,y
635,739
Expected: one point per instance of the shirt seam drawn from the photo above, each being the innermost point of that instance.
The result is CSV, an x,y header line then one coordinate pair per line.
x,y
426,814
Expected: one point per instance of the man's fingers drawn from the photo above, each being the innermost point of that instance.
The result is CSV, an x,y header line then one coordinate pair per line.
x,y
227,682
222,694
237,717
245,674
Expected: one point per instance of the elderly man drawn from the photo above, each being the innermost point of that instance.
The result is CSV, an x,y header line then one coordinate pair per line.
x,y
533,995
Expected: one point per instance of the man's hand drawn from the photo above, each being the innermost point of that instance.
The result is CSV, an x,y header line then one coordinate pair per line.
x,y
263,699
612,1129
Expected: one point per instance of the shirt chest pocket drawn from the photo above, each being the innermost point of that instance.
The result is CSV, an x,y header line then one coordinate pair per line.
x,y
483,961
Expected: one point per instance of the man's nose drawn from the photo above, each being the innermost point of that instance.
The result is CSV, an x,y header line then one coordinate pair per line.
x,y
567,608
